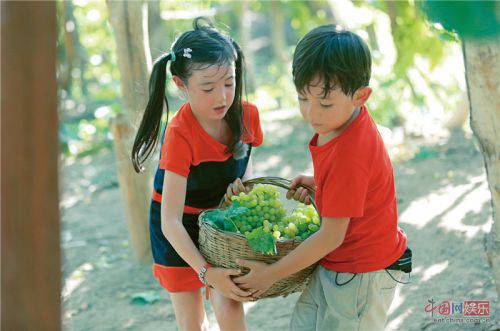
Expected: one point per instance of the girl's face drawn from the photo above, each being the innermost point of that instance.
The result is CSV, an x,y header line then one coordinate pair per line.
x,y
210,90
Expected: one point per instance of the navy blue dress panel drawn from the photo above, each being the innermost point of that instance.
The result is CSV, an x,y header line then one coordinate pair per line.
x,y
207,183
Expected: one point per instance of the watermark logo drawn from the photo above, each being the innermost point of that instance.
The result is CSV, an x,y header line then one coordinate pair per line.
x,y
468,311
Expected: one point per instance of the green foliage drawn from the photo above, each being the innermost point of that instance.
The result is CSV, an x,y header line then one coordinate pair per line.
x,y
261,241
481,16
412,36
223,219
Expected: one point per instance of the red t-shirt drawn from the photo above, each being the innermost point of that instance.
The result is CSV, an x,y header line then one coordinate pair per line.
x,y
354,178
186,143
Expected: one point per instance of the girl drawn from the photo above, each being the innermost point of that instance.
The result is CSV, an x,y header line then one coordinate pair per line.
x,y
205,148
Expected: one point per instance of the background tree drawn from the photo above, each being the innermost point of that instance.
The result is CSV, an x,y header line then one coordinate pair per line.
x,y
481,51
134,62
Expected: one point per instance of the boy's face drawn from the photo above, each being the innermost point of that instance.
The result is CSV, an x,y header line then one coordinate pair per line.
x,y
327,114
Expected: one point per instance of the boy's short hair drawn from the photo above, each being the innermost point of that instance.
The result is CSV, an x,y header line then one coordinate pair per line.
x,y
339,58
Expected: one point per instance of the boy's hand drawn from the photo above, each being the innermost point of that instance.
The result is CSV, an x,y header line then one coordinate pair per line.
x,y
234,189
258,280
300,193
220,279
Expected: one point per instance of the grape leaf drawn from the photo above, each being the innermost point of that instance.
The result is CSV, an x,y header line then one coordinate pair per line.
x,y
235,210
262,242
215,218
222,219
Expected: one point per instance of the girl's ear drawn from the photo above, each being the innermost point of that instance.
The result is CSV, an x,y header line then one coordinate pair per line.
x,y
179,83
361,96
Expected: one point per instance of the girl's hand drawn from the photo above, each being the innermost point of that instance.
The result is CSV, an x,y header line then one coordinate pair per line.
x,y
220,279
258,280
234,189
301,194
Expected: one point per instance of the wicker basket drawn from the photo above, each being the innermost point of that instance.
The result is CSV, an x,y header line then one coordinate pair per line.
x,y
222,248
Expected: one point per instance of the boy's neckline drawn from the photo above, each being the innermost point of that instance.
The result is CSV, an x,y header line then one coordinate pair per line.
x,y
357,114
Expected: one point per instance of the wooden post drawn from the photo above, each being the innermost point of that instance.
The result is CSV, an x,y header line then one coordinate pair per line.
x,y
31,267
134,63
131,184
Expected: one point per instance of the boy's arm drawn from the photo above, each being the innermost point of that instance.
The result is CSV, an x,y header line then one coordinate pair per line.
x,y
330,235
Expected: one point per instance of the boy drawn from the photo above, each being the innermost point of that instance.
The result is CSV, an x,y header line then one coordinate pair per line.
x,y
359,241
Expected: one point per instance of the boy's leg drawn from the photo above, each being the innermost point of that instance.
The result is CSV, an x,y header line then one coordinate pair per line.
x,y
359,304
380,296
189,310
345,296
307,309
229,313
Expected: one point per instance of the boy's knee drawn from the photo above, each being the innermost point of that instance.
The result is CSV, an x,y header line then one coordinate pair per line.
x,y
188,323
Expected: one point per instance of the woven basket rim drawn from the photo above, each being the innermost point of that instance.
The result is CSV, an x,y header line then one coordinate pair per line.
x,y
201,221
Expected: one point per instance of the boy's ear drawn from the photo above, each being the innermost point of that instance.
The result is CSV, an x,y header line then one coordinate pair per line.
x,y
179,83
361,96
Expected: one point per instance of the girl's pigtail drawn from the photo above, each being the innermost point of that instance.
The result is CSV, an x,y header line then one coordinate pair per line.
x,y
235,113
147,135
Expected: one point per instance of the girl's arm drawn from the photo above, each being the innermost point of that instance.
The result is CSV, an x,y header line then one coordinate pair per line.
x,y
172,208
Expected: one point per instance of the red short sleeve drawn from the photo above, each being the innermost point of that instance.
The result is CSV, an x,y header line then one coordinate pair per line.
x,y
176,153
344,189
253,132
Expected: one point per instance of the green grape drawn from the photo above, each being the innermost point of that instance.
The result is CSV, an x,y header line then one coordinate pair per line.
x,y
313,227
302,227
276,234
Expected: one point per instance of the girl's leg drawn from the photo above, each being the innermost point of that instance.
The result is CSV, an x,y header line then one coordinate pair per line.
x,y
229,313
189,311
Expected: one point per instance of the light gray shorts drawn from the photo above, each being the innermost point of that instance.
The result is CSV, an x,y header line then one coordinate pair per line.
x,y
361,304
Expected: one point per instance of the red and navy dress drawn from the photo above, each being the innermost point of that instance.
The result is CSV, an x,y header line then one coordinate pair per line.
x,y
188,150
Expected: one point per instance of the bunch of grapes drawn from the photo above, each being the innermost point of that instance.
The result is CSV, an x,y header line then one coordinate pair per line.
x,y
265,211
263,204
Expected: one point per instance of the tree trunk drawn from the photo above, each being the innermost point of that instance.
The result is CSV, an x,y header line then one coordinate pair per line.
x,y
134,63
482,71
31,257
136,191
65,78
76,54
158,37
245,43
278,41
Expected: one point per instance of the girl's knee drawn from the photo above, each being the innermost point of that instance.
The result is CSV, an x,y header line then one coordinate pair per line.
x,y
225,305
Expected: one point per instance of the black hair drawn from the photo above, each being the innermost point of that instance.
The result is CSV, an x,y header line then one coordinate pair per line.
x,y
208,47
339,58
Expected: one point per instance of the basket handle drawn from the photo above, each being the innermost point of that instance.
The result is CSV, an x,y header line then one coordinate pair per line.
x,y
280,182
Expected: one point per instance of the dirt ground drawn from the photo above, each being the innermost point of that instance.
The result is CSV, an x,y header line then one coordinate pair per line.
x,y
444,207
